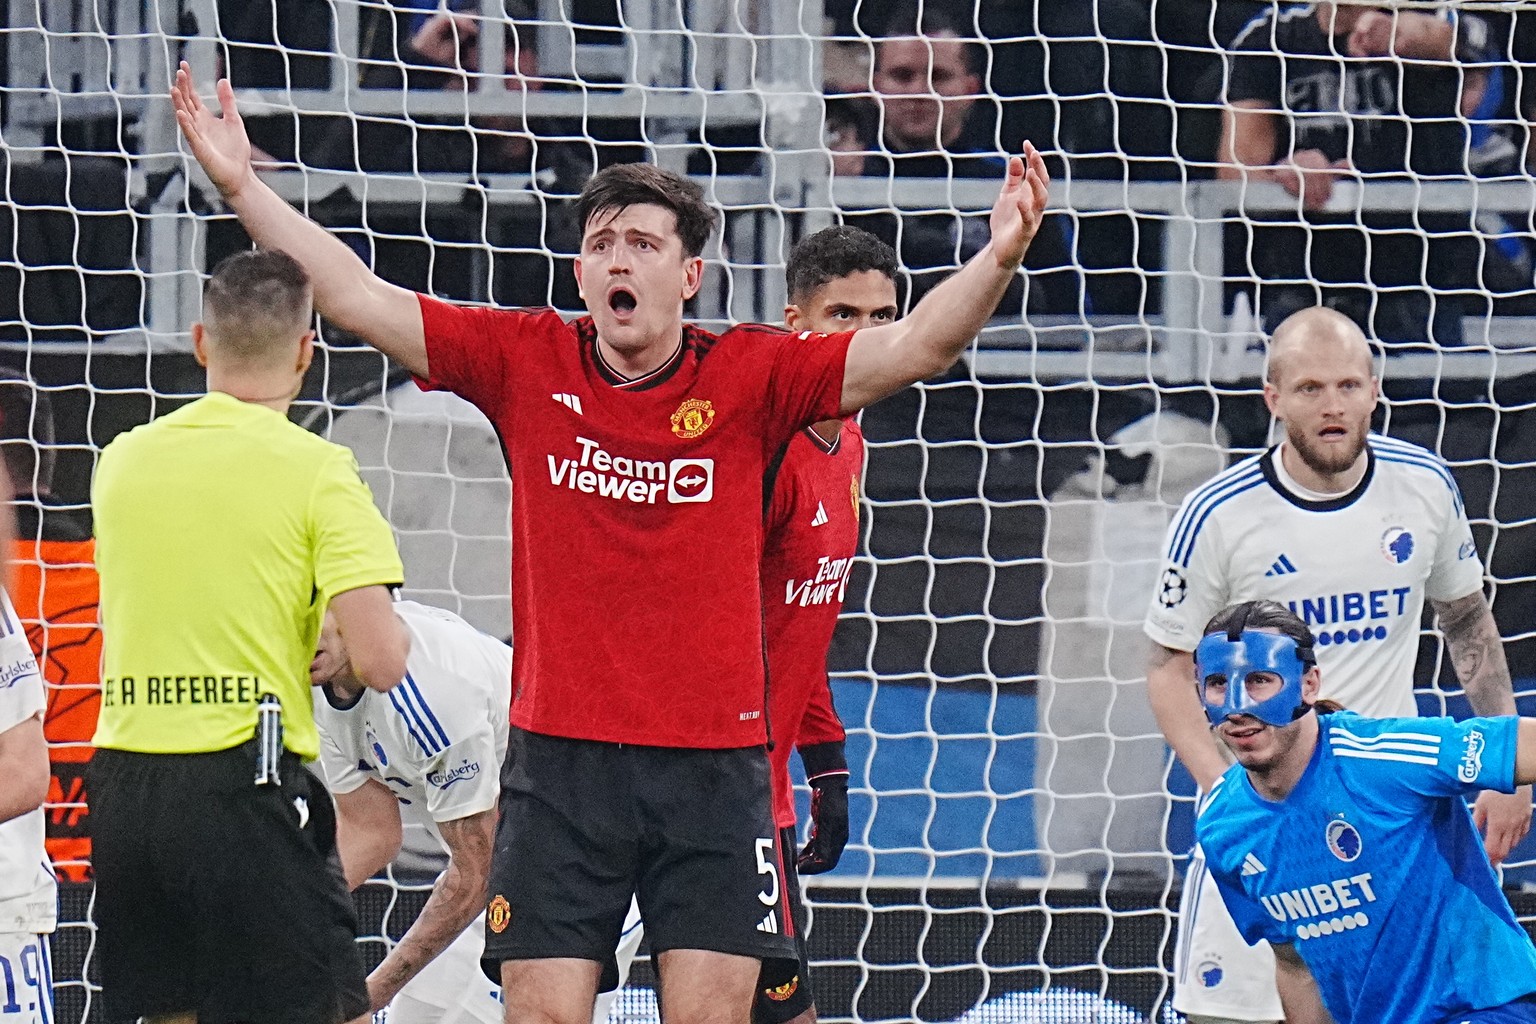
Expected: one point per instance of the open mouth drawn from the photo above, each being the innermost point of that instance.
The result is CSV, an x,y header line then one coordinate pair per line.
x,y
1333,433
622,301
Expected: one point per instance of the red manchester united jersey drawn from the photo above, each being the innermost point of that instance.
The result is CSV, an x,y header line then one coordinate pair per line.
x,y
636,514
811,536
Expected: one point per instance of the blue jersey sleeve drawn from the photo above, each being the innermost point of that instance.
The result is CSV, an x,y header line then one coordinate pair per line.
x,y
1434,757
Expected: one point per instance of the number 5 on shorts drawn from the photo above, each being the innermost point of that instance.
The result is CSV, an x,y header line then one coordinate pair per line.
x,y
766,865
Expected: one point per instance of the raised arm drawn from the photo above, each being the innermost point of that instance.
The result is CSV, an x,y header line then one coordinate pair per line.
x,y
1171,691
347,292
456,899
883,360
1477,652
1299,997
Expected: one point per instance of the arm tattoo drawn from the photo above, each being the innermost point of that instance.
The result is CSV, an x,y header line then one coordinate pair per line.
x,y
1477,653
457,897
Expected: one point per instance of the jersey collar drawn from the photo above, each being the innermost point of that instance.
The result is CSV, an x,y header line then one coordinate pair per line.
x,y
1348,498
645,382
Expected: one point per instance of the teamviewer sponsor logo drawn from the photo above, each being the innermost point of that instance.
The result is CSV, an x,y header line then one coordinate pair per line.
x,y
690,480
595,470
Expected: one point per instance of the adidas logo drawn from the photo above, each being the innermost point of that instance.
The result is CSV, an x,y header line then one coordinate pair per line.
x,y
769,924
571,402
1282,566
820,518
1251,864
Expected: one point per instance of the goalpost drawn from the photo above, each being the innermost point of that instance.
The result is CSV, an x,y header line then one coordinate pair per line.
x,y
1015,851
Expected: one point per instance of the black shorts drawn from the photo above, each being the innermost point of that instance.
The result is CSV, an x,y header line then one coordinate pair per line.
x,y
585,825
219,896
784,986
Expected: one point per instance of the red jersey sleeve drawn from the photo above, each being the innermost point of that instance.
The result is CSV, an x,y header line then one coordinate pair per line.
x,y
805,382
820,724
470,348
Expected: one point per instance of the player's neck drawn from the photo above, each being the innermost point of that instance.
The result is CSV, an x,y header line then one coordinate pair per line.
x,y
641,362
256,390
1329,485
828,430
1276,781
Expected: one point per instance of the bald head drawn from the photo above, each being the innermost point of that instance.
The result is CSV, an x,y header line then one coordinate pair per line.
x,y
1315,333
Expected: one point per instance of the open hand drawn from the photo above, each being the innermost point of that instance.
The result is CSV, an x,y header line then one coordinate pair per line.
x,y
1020,207
219,143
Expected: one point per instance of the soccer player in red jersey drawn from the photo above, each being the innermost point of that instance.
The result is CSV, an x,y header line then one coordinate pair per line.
x,y
840,279
638,447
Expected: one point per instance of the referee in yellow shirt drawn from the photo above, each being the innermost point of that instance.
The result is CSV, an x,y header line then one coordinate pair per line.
x,y
223,532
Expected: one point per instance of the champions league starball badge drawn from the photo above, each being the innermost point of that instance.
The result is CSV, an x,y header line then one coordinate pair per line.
x,y
1172,590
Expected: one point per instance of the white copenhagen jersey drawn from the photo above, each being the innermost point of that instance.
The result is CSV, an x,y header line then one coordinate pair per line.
x,y
437,741
28,893
438,738
1356,567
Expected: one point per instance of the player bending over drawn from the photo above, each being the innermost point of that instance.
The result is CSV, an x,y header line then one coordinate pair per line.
x,y
426,753
1344,840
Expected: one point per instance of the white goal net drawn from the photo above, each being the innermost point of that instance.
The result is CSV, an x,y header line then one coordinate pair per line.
x,y
1019,830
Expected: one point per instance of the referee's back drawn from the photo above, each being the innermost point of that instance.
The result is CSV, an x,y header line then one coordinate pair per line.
x,y
223,531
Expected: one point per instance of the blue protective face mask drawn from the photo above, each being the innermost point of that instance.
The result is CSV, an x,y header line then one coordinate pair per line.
x,y
1232,661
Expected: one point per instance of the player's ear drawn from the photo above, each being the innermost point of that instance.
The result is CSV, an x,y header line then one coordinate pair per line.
x,y
306,352
579,291
792,317
1311,685
693,277
200,344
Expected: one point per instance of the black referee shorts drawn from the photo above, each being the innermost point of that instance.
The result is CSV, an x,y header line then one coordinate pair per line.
x,y
585,825
219,896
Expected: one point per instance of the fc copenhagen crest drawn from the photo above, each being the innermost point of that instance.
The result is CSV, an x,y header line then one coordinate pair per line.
x,y
692,418
499,914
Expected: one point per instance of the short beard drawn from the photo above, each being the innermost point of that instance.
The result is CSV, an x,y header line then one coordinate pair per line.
x,y
1320,462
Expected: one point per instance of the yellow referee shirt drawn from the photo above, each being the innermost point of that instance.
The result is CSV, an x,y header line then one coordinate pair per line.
x,y
222,532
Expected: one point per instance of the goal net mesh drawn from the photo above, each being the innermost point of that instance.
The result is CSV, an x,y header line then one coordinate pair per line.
x,y
1018,826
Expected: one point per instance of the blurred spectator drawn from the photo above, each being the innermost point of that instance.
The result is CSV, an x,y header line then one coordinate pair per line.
x,y
927,83
1328,91
54,590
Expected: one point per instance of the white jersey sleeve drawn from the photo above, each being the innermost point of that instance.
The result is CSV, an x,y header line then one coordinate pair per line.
x,y
1194,583
454,703
1456,571
338,760
21,685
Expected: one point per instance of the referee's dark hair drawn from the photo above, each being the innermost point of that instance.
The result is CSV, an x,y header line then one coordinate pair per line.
x,y
832,253
256,303
26,433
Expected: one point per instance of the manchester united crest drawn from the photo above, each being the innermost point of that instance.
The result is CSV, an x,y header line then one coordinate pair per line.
x,y
853,494
779,993
692,418
499,914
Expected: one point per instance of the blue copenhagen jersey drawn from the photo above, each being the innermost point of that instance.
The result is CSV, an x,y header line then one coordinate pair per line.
x,y
1373,869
